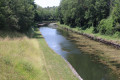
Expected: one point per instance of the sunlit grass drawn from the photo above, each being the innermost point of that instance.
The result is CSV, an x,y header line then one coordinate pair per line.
x,y
23,58
114,37
56,67
107,55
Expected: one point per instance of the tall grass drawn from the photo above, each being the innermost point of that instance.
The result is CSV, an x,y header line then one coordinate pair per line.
x,y
11,34
23,58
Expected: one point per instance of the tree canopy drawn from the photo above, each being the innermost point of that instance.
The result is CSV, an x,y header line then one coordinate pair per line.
x,y
16,14
46,14
102,15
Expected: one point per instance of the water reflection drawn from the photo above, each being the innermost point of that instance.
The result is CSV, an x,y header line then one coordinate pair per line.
x,y
87,69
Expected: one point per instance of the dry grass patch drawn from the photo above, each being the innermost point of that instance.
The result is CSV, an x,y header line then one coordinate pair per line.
x,y
21,59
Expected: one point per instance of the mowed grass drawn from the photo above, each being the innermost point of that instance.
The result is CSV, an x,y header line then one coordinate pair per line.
x,y
56,66
22,58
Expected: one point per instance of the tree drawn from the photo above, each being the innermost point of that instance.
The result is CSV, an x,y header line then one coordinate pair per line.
x,y
87,13
16,14
116,15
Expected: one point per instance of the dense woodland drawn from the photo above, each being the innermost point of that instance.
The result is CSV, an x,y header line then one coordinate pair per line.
x,y
20,15
46,14
16,14
101,15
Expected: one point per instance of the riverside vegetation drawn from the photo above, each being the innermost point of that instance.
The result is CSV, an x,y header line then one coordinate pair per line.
x,y
105,54
99,18
24,54
26,58
20,60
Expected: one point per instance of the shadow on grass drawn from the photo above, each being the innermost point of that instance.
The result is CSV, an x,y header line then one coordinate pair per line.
x,y
11,34
37,36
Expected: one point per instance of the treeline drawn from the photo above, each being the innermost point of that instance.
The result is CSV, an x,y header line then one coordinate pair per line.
x,y
46,14
16,14
102,15
20,15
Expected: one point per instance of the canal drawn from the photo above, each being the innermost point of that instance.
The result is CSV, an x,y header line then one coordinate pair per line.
x,y
83,63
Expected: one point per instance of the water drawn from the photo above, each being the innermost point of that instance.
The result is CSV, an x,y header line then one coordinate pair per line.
x,y
82,63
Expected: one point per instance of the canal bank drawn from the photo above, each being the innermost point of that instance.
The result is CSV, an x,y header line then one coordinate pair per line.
x,y
30,58
81,61
104,54
55,66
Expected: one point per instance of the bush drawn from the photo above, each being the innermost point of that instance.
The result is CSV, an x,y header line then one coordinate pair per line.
x,y
117,35
106,26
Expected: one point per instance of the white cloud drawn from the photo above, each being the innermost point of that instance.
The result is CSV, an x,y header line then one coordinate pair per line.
x,y
45,3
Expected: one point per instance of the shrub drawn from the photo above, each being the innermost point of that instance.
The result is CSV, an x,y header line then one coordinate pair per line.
x,y
117,35
106,26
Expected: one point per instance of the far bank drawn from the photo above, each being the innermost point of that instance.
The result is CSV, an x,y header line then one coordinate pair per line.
x,y
105,54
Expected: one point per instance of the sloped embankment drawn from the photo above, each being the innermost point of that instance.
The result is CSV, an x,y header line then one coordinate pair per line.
x,y
105,54
23,58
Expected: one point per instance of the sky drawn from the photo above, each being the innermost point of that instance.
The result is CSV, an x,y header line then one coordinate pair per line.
x,y
45,3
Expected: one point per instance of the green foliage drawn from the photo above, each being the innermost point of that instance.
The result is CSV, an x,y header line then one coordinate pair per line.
x,y
16,14
111,25
102,15
116,11
117,34
46,14
116,15
39,14
83,13
106,26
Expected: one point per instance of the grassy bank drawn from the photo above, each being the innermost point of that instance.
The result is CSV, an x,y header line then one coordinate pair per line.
x,y
115,38
23,58
105,54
